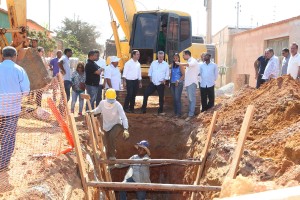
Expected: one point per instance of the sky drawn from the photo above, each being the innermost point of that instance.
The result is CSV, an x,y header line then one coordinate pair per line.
x,y
252,13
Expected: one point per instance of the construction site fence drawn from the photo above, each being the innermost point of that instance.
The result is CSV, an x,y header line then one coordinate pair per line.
x,y
31,139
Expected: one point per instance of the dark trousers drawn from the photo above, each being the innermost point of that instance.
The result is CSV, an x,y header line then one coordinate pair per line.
x,y
99,95
207,93
110,137
8,129
132,87
259,81
161,93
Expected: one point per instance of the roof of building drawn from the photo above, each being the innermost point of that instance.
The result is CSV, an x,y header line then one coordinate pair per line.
x,y
29,20
271,24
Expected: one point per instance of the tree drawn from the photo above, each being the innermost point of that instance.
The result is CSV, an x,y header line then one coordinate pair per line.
x,y
47,43
83,32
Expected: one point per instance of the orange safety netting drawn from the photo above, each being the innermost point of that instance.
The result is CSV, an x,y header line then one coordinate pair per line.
x,y
31,138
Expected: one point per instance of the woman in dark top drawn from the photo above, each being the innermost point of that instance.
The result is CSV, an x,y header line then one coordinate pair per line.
x,y
177,81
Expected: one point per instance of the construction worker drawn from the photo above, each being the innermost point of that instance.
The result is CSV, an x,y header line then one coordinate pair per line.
x,y
138,173
114,121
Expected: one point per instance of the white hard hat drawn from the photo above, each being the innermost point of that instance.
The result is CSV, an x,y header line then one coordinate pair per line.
x,y
114,59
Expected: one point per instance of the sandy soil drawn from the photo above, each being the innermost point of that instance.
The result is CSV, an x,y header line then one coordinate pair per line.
x,y
271,153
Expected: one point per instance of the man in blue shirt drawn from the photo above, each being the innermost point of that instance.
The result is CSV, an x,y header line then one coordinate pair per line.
x,y
54,63
14,83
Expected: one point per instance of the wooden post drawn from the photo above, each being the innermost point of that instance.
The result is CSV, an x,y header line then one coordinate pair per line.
x,y
94,146
79,156
87,98
241,142
205,151
152,186
63,91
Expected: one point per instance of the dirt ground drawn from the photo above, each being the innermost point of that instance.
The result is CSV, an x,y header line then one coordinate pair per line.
x,y
272,151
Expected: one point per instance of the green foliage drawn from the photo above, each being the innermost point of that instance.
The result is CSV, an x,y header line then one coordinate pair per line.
x,y
70,41
78,35
47,43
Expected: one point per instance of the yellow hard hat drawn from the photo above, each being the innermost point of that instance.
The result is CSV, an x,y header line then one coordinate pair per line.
x,y
111,94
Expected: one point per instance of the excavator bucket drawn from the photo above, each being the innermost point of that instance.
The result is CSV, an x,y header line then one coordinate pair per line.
x,y
35,69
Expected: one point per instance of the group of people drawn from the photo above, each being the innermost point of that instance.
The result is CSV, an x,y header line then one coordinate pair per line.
x,y
268,67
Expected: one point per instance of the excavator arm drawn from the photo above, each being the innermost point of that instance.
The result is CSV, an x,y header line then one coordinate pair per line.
x,y
124,11
28,58
17,19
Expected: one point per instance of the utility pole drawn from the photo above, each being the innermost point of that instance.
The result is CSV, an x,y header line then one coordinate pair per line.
x,y
208,5
238,10
49,1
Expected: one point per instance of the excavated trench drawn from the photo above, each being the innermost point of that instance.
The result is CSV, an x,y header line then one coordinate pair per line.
x,y
168,138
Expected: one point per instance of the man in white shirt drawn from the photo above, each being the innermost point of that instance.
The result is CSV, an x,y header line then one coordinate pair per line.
x,y
272,68
191,80
112,74
114,121
200,62
132,80
158,74
65,69
285,61
294,62
209,74
102,64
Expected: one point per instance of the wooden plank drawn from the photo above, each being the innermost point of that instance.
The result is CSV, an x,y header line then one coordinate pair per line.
x,y
79,156
241,142
62,90
205,151
105,171
94,147
152,186
95,132
156,161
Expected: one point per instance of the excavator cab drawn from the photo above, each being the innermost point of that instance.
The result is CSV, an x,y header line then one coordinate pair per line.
x,y
152,31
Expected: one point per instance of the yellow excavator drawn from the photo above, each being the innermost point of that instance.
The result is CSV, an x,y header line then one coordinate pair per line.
x,y
28,57
143,31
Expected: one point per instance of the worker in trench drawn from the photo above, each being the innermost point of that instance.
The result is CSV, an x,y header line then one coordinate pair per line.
x,y
138,173
114,121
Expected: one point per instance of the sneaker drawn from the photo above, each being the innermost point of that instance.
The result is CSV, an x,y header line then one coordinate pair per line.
x,y
162,113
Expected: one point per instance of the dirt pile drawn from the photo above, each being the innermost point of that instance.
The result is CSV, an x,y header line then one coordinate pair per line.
x,y
272,147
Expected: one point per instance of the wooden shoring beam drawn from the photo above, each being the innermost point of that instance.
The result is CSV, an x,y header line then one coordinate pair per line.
x,y
149,161
241,142
79,155
205,151
152,186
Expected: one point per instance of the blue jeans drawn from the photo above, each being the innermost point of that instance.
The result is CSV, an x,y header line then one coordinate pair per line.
x,y
191,91
176,93
140,195
74,100
92,91
8,129
67,85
